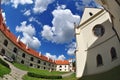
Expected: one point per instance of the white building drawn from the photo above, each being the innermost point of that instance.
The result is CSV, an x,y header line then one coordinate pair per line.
x,y
62,65
113,7
98,47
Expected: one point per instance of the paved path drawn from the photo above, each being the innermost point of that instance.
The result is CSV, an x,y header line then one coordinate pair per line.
x,y
67,74
15,74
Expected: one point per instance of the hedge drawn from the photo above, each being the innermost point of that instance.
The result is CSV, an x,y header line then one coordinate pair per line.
x,y
43,76
4,63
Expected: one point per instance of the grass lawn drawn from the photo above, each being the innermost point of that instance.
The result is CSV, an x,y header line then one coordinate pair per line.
x,y
37,71
4,70
113,74
72,77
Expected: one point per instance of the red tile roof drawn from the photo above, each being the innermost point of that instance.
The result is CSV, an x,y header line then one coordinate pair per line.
x,y
22,46
62,62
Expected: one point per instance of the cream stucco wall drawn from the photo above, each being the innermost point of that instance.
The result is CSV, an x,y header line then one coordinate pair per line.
x,y
89,45
114,9
63,68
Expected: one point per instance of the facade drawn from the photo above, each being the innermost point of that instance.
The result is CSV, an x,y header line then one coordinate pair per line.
x,y
62,65
113,7
12,47
97,43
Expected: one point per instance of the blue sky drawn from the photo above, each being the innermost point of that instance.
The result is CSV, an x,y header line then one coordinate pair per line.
x,y
47,26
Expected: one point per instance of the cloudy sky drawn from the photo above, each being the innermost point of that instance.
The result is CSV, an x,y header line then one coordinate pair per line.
x,y
47,26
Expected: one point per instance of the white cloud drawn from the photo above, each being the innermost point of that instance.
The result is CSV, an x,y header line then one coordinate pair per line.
x,y
61,6
54,57
33,19
71,48
81,4
61,57
41,5
62,30
28,35
22,2
4,16
27,13
5,1
47,33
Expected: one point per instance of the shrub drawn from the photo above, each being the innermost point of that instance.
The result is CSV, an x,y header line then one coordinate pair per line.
x,y
43,76
4,63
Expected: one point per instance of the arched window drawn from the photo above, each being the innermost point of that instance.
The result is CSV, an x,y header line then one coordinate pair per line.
x,y
15,50
31,59
2,52
90,13
5,42
44,63
99,60
22,62
39,61
31,64
23,55
113,53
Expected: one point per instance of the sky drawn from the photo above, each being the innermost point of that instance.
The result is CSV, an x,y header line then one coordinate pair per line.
x,y
46,26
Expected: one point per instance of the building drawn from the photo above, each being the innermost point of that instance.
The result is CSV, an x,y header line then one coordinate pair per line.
x,y
13,48
62,65
98,46
113,7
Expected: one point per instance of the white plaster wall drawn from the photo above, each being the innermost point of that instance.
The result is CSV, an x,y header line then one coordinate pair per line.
x,y
63,68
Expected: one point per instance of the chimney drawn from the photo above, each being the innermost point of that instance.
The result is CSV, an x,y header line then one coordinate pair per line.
x,y
48,58
18,38
27,46
39,54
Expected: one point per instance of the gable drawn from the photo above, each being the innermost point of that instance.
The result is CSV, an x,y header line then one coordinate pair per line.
x,y
88,13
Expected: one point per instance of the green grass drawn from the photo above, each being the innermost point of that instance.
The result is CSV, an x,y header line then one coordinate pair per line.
x,y
72,77
37,71
113,74
4,70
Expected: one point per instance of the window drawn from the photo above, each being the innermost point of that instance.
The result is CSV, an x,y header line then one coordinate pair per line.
x,y
52,65
31,64
44,68
31,59
23,55
113,53
49,64
2,52
38,66
5,43
60,69
22,62
90,13
98,30
39,61
99,60
118,2
44,63
15,50
60,66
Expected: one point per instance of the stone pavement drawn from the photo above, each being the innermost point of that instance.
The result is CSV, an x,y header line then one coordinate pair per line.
x,y
15,74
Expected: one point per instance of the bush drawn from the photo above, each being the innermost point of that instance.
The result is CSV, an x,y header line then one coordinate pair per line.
x,y
4,63
43,76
